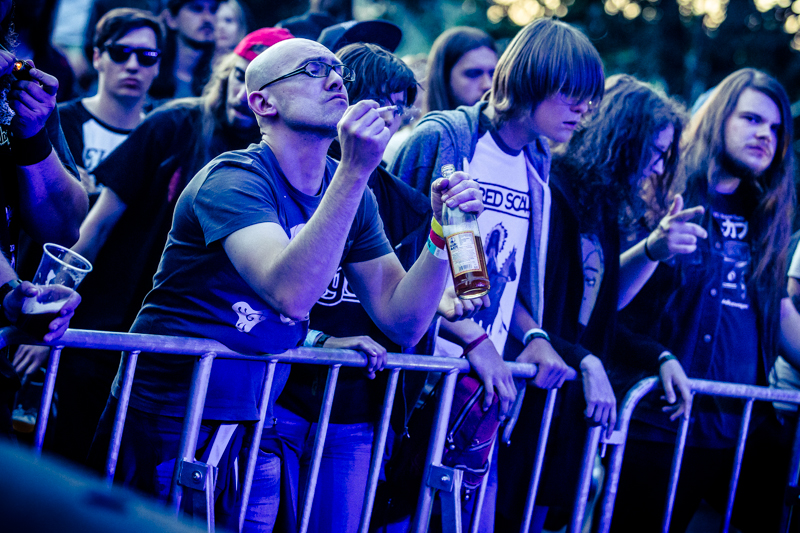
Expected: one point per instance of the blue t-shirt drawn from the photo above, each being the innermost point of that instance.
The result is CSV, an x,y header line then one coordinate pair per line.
x,y
198,293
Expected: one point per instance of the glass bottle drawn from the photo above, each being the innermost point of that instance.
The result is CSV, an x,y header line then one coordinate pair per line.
x,y
464,248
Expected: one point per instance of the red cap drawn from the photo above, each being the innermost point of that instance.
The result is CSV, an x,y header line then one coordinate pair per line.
x,y
256,42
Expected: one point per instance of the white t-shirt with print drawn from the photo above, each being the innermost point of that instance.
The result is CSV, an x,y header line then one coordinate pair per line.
x,y
503,179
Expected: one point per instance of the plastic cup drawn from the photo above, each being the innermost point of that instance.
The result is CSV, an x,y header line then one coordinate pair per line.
x,y
60,272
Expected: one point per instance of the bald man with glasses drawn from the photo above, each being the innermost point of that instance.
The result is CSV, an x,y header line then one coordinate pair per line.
x,y
257,236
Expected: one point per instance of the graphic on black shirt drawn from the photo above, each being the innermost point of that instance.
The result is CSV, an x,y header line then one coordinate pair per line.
x,y
736,259
338,291
498,275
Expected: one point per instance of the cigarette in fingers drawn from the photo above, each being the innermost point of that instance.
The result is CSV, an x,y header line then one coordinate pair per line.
x,y
386,108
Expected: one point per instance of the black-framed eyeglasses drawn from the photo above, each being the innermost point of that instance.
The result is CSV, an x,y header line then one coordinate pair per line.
x,y
120,53
661,154
317,69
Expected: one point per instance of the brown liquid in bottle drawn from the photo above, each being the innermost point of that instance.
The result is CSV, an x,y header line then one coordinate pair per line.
x,y
471,283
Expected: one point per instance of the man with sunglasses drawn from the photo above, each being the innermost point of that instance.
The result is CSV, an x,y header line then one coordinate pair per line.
x,y
127,49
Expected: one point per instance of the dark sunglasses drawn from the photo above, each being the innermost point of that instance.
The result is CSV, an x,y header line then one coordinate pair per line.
x,y
119,53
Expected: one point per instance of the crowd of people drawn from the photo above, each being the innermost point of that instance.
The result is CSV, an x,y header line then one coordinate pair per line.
x,y
280,187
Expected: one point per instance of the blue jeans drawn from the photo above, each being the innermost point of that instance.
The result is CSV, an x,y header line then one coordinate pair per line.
x,y
343,473
150,444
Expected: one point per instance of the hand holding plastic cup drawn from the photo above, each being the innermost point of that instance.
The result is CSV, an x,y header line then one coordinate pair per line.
x,y
59,274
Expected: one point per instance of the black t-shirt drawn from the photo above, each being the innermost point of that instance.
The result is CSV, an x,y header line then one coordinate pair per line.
x,y
9,200
147,172
9,192
90,139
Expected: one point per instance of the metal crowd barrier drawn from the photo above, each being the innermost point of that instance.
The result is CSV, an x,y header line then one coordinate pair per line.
x,y
749,393
201,477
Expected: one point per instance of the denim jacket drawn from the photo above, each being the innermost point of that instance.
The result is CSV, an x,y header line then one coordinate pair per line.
x,y
681,307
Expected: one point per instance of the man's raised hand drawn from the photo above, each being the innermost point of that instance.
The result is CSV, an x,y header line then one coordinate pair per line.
x,y
675,234
363,136
32,102
458,190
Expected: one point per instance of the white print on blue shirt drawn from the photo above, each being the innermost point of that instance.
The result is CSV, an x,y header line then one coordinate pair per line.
x,y
247,317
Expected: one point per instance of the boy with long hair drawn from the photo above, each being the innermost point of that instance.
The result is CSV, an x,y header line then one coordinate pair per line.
x,y
715,312
546,80
627,145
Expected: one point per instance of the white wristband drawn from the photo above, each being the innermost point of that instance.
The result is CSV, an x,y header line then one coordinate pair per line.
x,y
534,333
311,338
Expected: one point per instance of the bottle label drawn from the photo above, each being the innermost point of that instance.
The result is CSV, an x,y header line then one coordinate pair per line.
x,y
463,253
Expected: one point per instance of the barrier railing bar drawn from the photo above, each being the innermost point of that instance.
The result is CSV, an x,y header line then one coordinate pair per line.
x,y
47,399
636,393
133,344
737,465
749,393
129,360
513,416
478,511
319,445
746,392
541,448
793,478
435,450
191,424
585,479
677,459
165,344
378,445
255,442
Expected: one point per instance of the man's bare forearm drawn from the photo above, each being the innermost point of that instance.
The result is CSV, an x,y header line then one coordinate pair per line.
x,y
300,273
52,201
415,299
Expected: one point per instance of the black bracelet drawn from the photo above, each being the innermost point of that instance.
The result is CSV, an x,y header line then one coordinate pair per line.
x,y
666,357
31,150
320,342
647,250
